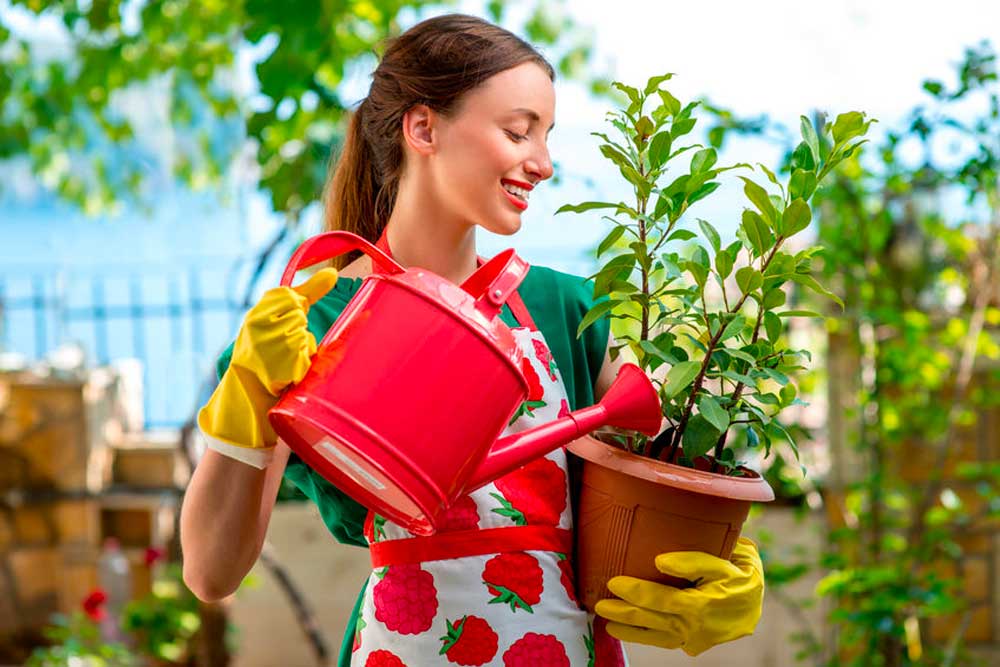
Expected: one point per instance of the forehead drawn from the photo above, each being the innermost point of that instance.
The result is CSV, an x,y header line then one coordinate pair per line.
x,y
526,87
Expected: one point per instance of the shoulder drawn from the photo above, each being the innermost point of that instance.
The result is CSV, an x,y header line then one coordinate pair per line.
x,y
359,268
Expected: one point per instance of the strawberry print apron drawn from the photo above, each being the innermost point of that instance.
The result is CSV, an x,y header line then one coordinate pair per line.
x,y
494,585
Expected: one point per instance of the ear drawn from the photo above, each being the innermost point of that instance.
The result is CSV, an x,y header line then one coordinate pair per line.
x,y
419,125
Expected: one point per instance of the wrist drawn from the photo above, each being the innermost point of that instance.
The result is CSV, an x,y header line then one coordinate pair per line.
x,y
257,457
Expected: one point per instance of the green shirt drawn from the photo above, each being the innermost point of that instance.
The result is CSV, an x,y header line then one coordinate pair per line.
x,y
556,302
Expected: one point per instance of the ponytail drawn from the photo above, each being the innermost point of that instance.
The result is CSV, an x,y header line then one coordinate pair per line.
x,y
355,199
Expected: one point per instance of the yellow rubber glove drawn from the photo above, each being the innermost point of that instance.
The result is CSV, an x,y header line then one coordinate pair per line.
x,y
725,604
273,349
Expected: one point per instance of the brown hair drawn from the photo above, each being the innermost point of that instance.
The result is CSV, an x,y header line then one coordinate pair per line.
x,y
432,63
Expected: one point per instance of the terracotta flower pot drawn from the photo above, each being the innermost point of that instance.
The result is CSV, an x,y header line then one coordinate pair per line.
x,y
632,508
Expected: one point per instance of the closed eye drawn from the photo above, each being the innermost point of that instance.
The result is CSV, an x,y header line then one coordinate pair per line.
x,y
515,136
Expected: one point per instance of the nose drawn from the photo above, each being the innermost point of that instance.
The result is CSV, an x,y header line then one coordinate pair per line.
x,y
539,164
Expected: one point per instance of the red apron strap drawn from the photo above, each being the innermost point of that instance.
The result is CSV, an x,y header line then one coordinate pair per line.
x,y
520,311
461,543
514,302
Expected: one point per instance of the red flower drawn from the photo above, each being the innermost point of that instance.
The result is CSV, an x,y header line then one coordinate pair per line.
x,y
93,604
153,555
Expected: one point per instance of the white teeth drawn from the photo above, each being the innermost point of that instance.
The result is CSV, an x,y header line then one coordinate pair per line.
x,y
516,191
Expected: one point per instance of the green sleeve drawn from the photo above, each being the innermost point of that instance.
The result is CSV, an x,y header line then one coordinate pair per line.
x,y
344,517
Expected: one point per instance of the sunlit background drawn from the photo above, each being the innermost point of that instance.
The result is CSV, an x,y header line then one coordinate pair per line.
x,y
128,258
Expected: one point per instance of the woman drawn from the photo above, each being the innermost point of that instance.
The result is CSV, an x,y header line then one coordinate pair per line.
x,y
452,136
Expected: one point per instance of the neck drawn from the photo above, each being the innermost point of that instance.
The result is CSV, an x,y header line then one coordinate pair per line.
x,y
420,235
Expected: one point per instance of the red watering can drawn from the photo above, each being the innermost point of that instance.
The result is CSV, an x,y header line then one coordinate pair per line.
x,y
412,386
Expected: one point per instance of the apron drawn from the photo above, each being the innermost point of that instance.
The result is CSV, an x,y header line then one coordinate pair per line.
x,y
494,585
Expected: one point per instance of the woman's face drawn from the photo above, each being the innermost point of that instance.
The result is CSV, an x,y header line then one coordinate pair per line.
x,y
493,149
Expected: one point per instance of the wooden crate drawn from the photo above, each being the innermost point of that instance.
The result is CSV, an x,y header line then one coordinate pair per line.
x,y
150,459
33,585
71,521
52,435
139,520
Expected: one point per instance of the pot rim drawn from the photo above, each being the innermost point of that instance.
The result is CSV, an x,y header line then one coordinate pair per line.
x,y
754,488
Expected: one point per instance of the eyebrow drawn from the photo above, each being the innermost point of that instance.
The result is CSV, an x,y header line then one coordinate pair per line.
x,y
532,115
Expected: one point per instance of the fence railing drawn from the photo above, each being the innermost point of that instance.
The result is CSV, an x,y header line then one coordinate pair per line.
x,y
174,319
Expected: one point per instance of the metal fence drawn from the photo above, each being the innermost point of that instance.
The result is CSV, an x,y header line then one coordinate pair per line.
x,y
174,319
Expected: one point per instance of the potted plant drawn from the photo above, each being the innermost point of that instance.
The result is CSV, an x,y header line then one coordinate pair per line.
x,y
706,321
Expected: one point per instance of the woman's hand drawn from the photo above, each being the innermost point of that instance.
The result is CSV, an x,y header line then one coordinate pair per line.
x,y
723,606
273,349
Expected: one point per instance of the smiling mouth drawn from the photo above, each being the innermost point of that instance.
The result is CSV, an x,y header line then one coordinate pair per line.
x,y
517,196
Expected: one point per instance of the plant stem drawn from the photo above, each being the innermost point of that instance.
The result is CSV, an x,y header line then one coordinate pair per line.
x,y
700,379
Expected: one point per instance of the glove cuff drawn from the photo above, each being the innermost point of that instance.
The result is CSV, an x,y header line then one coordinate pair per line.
x,y
257,457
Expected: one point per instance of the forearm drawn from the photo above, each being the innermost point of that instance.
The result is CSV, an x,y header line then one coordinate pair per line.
x,y
224,519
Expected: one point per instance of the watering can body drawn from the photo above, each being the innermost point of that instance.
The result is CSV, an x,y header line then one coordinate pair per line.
x,y
414,383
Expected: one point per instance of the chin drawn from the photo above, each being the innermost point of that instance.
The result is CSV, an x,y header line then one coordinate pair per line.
x,y
502,227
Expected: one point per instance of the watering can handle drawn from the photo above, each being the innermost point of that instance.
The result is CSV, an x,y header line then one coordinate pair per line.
x,y
495,281
326,246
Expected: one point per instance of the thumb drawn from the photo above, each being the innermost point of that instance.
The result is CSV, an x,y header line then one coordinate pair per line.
x,y
696,565
318,285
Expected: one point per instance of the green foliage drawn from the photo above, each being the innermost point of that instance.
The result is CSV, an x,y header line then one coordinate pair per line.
x,y
719,362
921,330
163,622
65,111
159,627
77,640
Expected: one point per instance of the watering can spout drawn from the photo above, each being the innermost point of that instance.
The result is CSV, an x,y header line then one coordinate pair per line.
x,y
630,403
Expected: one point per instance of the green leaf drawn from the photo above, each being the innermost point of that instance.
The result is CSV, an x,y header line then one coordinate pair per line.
x,y
599,310
714,413
795,218
723,264
616,156
811,283
644,128
610,240
933,87
630,92
749,279
800,313
810,137
699,437
758,195
703,160
734,327
699,272
654,82
663,206
659,149
739,377
775,375
739,354
773,298
752,226
586,206
849,125
681,127
672,104
770,174
802,184
681,235
772,326
703,191
802,157
787,393
711,234
679,377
